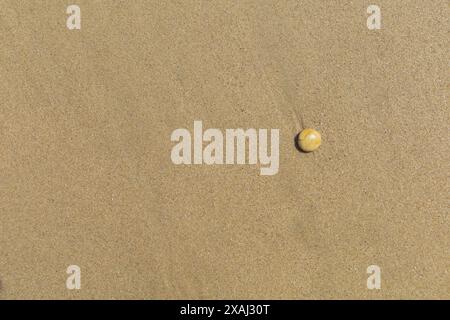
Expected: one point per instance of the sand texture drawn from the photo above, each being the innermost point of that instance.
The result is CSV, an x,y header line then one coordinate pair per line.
x,y
86,176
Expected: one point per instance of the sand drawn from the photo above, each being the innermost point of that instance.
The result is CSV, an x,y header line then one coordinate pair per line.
x,y
85,170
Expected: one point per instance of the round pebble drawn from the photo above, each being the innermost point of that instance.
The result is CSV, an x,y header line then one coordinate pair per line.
x,y
309,140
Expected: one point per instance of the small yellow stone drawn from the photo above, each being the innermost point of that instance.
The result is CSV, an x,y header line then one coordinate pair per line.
x,y
309,140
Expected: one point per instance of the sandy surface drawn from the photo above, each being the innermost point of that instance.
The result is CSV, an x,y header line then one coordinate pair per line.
x,y
85,170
